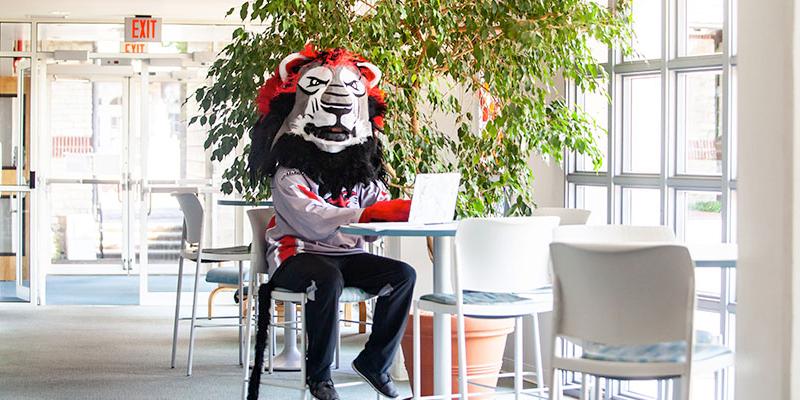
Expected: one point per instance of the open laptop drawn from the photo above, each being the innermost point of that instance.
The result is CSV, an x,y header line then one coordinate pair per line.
x,y
434,198
433,201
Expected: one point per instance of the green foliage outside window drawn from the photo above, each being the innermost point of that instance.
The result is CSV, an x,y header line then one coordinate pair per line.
x,y
432,53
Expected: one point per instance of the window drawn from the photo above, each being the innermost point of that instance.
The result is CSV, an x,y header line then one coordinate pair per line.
x,y
669,152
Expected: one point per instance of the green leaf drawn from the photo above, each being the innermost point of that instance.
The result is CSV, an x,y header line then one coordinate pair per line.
x,y
243,11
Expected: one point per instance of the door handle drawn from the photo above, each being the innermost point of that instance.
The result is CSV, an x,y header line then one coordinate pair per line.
x,y
32,179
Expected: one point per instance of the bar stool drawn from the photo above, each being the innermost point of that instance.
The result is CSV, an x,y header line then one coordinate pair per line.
x,y
192,249
259,219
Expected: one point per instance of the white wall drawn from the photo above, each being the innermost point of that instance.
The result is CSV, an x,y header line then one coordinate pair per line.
x,y
767,281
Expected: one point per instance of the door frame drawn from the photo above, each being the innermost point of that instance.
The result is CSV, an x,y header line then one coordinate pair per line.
x,y
123,182
134,190
19,185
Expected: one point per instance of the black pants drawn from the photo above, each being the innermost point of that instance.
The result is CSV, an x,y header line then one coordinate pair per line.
x,y
393,279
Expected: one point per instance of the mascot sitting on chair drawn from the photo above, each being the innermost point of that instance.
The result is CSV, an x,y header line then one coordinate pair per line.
x,y
317,143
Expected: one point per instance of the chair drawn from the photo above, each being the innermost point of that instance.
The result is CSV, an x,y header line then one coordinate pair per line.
x,y
500,265
192,249
613,234
259,219
567,216
631,307
610,234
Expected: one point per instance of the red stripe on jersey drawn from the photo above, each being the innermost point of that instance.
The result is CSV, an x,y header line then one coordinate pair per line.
x,y
271,223
311,195
287,247
341,201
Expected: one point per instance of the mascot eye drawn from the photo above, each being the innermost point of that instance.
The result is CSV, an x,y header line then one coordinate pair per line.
x,y
353,85
312,82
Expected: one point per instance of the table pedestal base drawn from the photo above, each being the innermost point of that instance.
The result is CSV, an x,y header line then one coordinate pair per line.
x,y
289,358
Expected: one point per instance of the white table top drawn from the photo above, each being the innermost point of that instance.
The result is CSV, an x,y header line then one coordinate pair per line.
x,y
721,255
244,203
400,229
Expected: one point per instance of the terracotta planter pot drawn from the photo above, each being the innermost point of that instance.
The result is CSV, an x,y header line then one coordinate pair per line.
x,y
486,341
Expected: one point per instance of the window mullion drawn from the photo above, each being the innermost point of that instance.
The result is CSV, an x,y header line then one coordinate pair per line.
x,y
666,84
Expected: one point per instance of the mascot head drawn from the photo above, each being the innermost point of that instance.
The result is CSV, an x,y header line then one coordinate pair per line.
x,y
321,111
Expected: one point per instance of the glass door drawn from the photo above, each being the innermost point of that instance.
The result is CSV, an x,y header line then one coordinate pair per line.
x,y
89,120
17,181
120,146
172,159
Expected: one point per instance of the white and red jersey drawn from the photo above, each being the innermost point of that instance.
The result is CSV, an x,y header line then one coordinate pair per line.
x,y
308,222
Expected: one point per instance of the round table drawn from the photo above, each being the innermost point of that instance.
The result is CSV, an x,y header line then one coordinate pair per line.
x,y
442,260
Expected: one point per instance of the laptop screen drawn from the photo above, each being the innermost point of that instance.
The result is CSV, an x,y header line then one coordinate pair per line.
x,y
434,199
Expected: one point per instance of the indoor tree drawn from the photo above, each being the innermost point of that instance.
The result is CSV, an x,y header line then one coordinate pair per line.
x,y
437,57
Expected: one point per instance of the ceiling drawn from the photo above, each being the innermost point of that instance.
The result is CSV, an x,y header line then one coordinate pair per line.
x,y
172,10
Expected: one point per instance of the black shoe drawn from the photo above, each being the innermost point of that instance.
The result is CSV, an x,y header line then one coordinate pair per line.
x,y
382,383
323,390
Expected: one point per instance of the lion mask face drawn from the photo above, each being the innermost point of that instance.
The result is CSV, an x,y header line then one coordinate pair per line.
x,y
331,106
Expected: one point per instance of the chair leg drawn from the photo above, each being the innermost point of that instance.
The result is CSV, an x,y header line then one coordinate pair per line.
x,y
416,354
681,388
596,390
177,311
555,385
194,314
338,348
463,384
303,345
362,317
517,357
251,295
271,337
211,299
585,387
348,313
537,347
241,308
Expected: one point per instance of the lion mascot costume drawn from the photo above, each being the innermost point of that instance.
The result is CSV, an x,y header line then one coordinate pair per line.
x,y
317,142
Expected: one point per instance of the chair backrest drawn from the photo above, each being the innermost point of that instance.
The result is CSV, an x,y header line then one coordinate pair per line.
x,y
192,216
259,218
567,216
613,234
506,255
622,294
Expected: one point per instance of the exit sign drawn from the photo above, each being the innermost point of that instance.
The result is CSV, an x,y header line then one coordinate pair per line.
x,y
142,29
134,47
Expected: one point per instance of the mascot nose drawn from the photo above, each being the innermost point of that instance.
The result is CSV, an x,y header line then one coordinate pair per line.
x,y
338,111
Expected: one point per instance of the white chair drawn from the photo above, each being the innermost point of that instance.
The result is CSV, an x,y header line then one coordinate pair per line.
x,y
500,265
567,216
610,234
613,234
192,249
631,308
259,219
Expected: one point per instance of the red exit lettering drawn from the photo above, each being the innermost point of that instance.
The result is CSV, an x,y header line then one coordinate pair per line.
x,y
143,28
133,48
